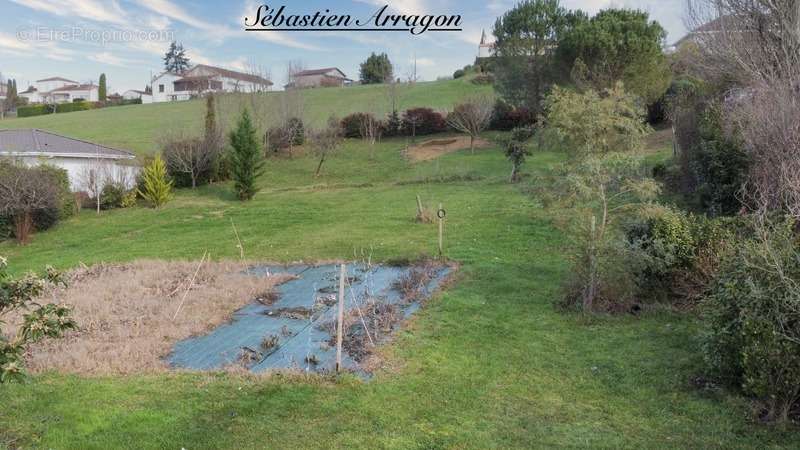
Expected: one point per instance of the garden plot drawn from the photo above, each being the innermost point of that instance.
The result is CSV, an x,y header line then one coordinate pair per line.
x,y
130,315
295,328
434,148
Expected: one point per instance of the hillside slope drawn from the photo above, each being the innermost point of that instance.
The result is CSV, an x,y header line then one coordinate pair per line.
x,y
139,127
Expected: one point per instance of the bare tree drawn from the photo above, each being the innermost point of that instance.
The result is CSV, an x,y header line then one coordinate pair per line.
x,y
191,155
260,75
757,44
472,117
293,67
325,141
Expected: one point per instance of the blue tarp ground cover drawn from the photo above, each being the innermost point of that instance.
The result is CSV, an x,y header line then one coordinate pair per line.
x,y
300,321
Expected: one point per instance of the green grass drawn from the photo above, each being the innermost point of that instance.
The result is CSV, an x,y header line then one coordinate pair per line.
x,y
489,363
138,127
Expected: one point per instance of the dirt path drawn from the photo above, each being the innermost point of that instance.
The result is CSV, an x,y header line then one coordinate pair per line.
x,y
435,148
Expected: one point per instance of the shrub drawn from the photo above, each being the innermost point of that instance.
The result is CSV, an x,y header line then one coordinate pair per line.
x,y
458,73
38,321
191,161
156,186
112,196
675,256
483,78
34,110
129,199
75,106
422,121
33,198
506,118
289,134
392,126
752,320
711,165
352,125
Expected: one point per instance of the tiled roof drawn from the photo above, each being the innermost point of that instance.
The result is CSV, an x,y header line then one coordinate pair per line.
x,y
318,72
77,87
39,142
56,79
233,74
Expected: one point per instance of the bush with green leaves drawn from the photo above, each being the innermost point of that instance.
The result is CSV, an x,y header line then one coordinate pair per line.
x,y
38,322
353,124
612,185
113,196
752,320
506,117
156,187
593,122
33,198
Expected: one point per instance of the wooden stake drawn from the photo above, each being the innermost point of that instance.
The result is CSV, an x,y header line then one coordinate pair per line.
x,y
340,319
441,230
419,206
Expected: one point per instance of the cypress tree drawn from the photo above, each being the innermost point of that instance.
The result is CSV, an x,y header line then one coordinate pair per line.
x,y
246,159
101,94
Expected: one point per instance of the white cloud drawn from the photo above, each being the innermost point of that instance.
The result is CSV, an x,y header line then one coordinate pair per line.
x,y
31,48
175,12
110,59
402,6
269,36
107,11
424,62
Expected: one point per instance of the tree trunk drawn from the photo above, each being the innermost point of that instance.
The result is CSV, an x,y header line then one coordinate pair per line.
x,y
23,225
194,179
471,144
319,166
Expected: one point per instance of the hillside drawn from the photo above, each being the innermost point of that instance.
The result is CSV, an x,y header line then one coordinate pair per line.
x,y
138,127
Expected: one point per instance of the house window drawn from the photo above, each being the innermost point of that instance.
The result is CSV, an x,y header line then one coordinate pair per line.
x,y
160,88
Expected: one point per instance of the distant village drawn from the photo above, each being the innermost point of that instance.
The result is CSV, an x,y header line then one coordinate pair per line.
x,y
179,83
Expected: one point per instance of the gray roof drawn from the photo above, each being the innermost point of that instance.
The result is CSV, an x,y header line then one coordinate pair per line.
x,y
35,142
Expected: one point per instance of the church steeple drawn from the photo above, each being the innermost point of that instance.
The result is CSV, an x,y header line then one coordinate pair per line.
x,y
483,37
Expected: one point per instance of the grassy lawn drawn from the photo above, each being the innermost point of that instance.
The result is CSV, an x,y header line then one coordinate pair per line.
x,y
138,127
489,363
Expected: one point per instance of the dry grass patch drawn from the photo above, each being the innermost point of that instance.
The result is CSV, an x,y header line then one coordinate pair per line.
x,y
435,148
125,313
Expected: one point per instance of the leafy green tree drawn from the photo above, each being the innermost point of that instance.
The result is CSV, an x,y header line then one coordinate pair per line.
x,y
157,186
526,37
612,183
175,60
102,90
38,321
247,162
591,123
376,69
617,45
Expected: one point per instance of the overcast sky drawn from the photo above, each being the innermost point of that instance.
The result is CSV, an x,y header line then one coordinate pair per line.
x,y
126,39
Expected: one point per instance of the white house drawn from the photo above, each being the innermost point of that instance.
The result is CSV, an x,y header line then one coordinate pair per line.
x,y
327,77
60,90
200,79
134,94
87,92
83,161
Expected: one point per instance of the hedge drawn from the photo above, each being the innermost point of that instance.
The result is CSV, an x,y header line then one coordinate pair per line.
x,y
40,110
